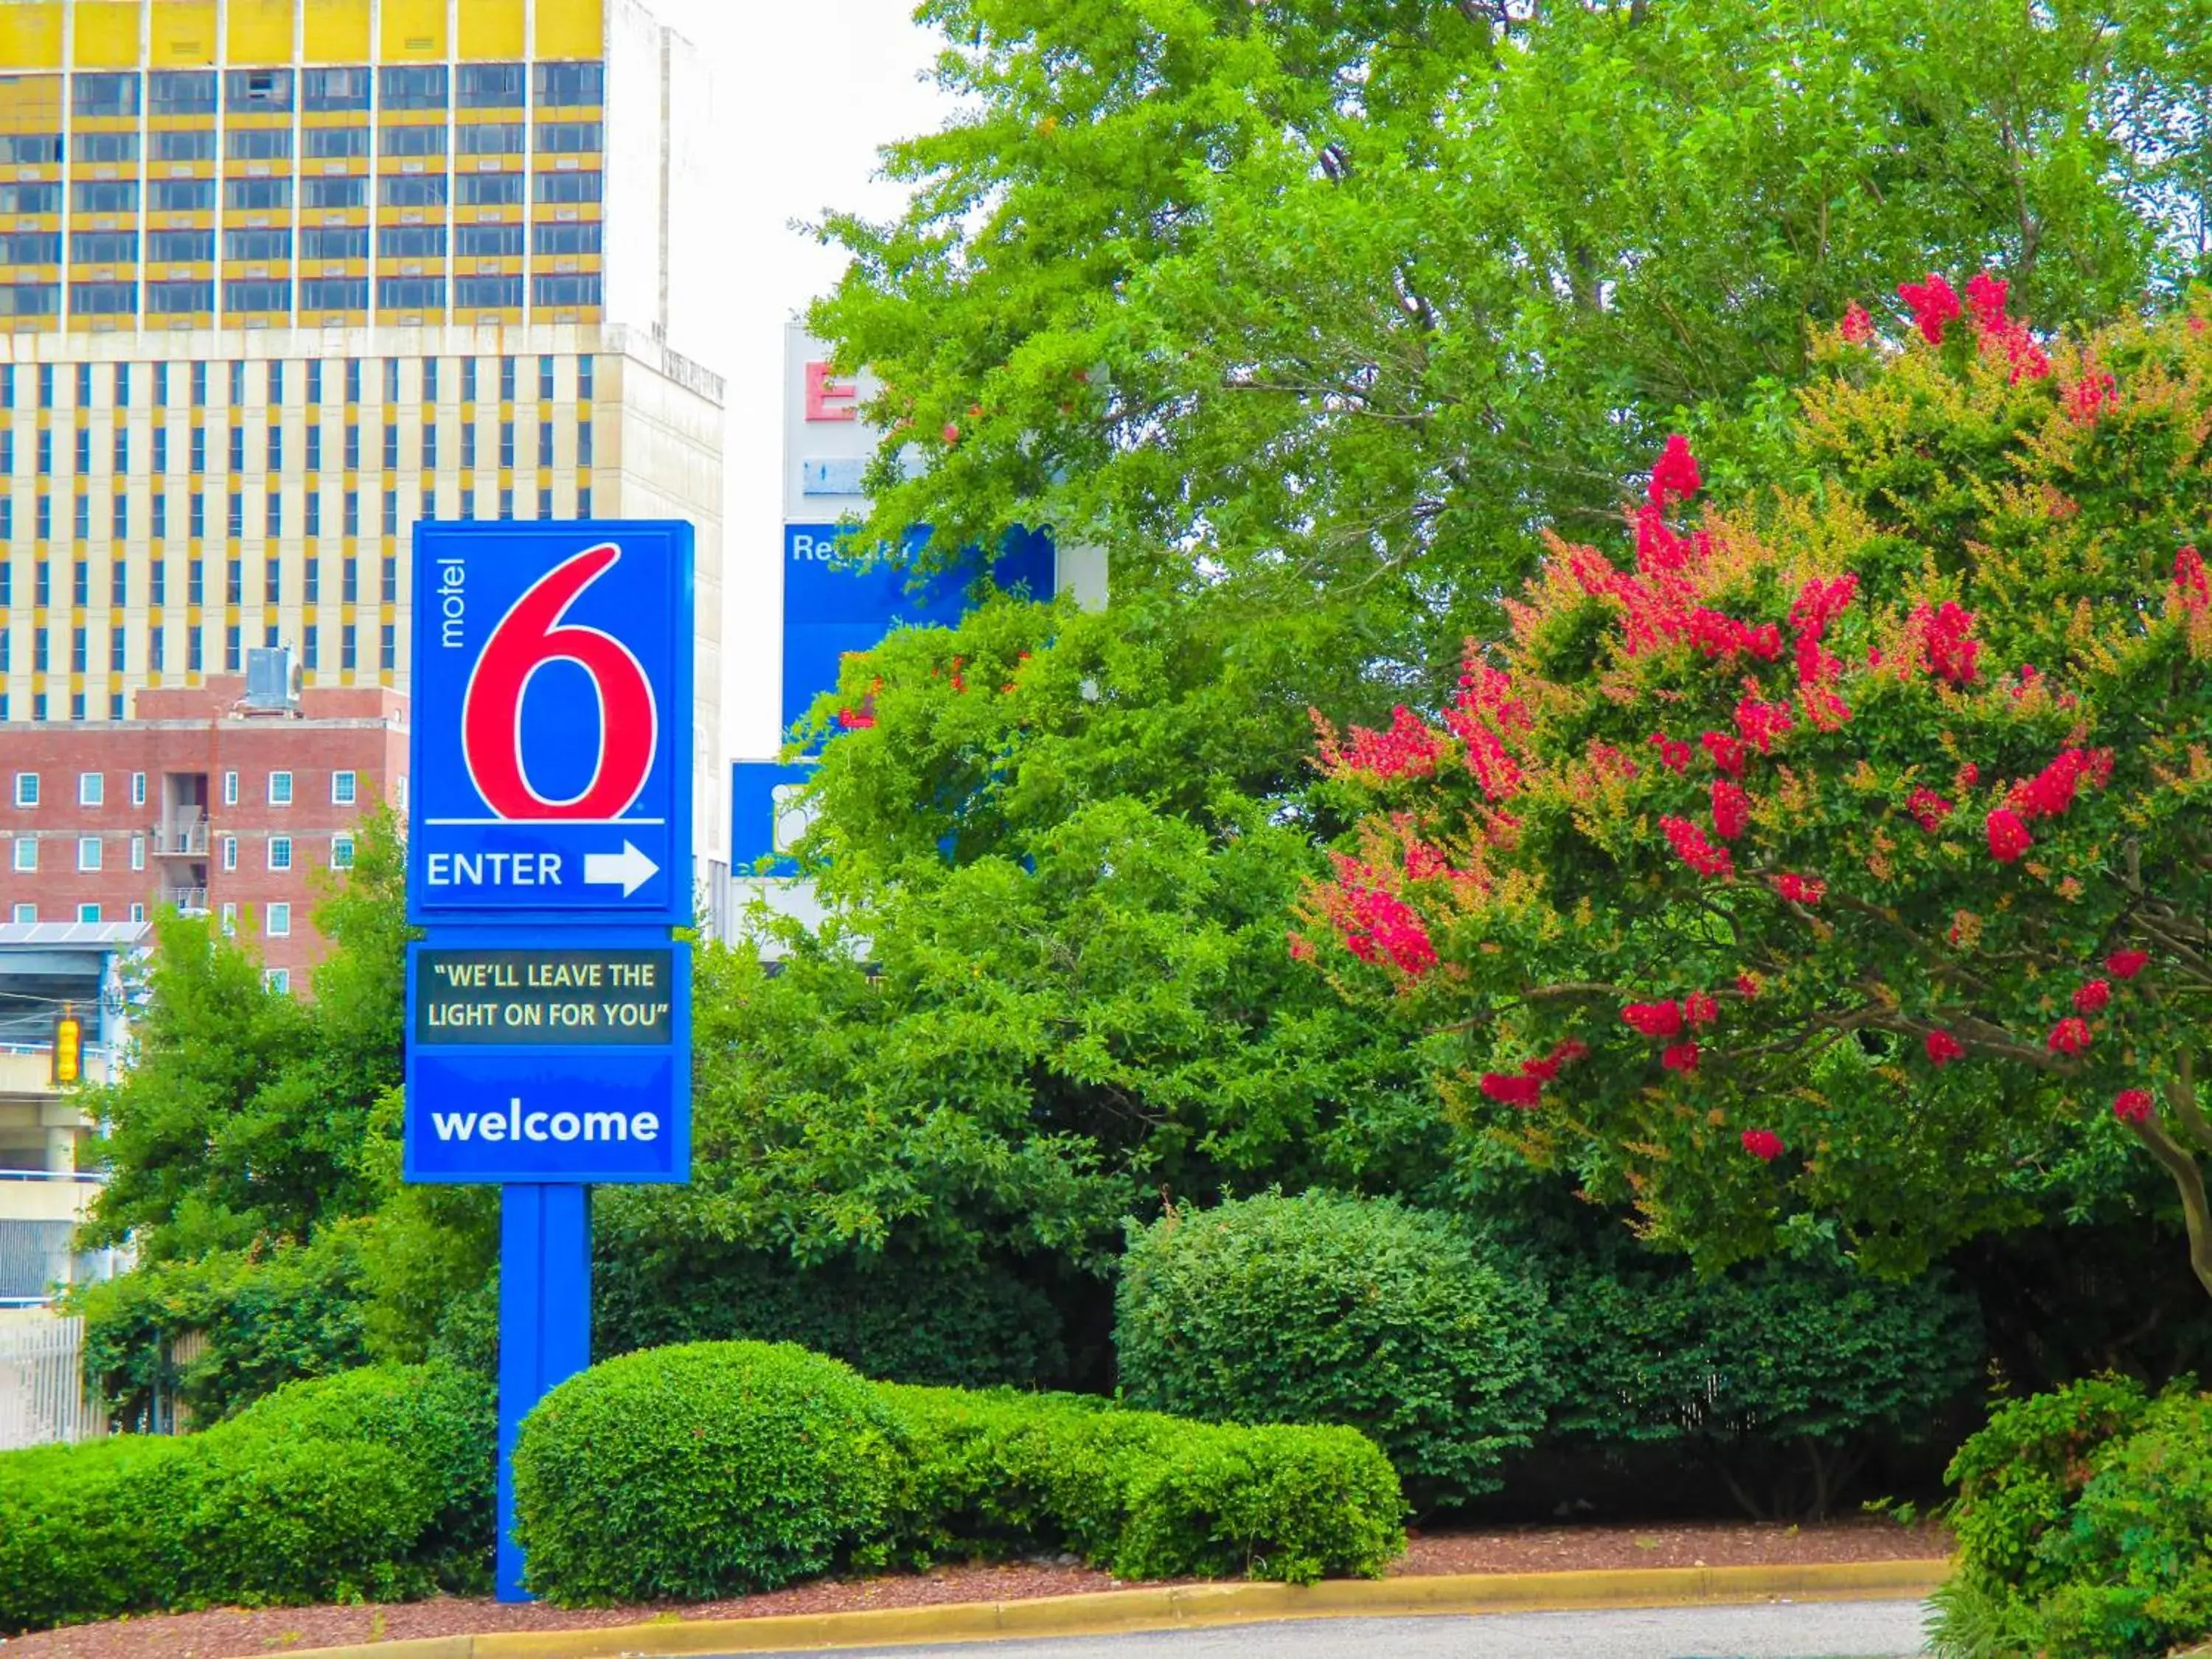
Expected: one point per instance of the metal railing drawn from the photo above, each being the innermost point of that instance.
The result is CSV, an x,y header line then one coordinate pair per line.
x,y
184,838
42,1386
192,900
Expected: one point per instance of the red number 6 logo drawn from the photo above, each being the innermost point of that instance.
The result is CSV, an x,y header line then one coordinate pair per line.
x,y
528,637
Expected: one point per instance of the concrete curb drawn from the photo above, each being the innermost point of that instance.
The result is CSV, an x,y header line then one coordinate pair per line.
x,y
1112,1611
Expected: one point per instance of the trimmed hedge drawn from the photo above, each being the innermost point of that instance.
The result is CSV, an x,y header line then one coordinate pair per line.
x,y
2081,1517
373,1485
721,1469
702,1470
1329,1309
1144,1495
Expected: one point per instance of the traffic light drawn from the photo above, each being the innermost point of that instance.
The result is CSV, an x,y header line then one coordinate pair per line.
x,y
69,1048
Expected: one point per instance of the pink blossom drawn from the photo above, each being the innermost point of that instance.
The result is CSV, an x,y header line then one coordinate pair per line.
x,y
1731,810
1947,646
1764,1145
1761,723
1726,752
1857,327
1932,303
1943,1047
1522,1091
1929,809
2008,836
1801,890
1691,846
2070,1037
2131,1105
1680,1057
2092,997
1653,1019
1700,1009
1674,475
1675,755
2126,964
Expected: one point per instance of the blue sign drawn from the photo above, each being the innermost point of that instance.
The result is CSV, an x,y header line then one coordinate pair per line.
x,y
552,1056
552,723
834,606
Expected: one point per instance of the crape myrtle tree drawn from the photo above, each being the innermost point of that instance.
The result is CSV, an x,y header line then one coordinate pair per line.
x,y
1827,857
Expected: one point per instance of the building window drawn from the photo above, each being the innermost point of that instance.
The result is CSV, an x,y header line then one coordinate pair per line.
x,y
88,913
584,364
280,788
392,513
341,851
430,381
335,89
26,788
230,851
280,852
279,920
232,660
414,141
138,788
347,655
92,788
229,920
87,853
272,592
411,85
137,851
491,86
27,913
545,443
506,379
277,980
230,789
567,85
469,447
546,379
390,656
27,854
137,913
391,448
258,90
506,443
117,648
583,443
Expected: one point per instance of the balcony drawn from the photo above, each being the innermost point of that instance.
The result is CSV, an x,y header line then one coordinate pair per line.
x,y
191,901
181,838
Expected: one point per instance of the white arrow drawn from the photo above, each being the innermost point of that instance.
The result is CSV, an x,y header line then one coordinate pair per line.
x,y
629,868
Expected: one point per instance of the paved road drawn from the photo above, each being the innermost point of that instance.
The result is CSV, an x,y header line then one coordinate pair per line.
x,y
1808,1629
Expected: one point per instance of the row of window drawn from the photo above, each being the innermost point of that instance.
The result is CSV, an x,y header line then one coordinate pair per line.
x,y
234,650
269,379
121,248
121,197
256,296
321,143
118,585
92,788
261,91
92,852
41,448
275,522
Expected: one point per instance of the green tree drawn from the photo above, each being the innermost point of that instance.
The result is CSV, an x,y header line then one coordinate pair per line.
x,y
1054,986
1842,853
243,1116
1340,301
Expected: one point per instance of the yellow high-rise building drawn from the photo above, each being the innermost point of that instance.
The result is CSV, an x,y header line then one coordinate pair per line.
x,y
278,278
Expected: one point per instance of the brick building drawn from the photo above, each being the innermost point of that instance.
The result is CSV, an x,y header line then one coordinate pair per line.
x,y
201,802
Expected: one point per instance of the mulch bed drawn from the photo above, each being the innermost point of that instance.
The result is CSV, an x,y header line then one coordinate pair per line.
x,y
238,1633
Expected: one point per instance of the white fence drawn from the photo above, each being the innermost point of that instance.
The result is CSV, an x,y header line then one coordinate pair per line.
x,y
42,1398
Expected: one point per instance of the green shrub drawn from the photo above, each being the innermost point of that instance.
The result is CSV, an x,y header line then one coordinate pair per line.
x,y
270,1316
374,1485
948,1322
702,1470
1782,1378
1144,1495
1326,1308
443,1418
2081,1519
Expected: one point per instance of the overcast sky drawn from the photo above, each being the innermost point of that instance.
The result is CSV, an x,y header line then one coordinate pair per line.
x,y
804,96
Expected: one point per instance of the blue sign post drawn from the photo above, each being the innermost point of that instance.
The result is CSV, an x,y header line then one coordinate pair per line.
x,y
549,861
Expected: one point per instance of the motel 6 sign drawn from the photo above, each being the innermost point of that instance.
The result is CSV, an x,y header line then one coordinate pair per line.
x,y
552,719
550,853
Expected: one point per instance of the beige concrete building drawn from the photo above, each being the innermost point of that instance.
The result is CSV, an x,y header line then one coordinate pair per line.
x,y
279,278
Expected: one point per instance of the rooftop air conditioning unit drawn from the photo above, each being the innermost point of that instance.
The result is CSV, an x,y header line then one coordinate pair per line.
x,y
272,678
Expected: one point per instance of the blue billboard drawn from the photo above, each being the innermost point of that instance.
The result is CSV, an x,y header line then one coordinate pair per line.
x,y
552,719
